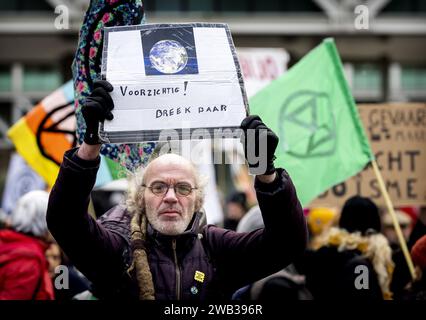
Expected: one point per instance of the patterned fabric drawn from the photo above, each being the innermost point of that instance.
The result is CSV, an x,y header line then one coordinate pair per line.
x,y
87,68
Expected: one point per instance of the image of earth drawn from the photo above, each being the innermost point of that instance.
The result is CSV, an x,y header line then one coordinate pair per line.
x,y
168,56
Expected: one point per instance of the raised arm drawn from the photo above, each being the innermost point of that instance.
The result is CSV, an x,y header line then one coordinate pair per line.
x,y
94,250
245,257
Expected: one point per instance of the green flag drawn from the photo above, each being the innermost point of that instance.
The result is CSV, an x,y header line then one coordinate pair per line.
x,y
310,108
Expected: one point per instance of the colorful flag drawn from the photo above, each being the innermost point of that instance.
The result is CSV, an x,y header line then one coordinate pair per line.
x,y
322,141
46,132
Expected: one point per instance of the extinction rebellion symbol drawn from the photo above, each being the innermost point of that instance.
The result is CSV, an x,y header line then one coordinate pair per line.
x,y
47,128
308,125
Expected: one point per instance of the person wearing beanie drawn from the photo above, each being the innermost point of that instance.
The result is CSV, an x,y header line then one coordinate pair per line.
x,y
360,214
23,266
341,258
319,219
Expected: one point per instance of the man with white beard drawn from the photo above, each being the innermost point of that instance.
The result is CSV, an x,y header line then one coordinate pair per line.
x,y
153,246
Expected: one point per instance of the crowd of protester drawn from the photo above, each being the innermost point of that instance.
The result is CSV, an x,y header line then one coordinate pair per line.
x,y
353,254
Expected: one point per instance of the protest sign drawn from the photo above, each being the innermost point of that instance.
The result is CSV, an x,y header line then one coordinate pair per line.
x,y
397,133
260,66
180,77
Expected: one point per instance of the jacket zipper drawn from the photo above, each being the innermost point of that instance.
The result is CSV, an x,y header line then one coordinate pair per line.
x,y
178,272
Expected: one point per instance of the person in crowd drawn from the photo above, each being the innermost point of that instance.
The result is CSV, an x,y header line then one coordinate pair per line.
x,y
401,275
70,284
320,219
251,221
24,270
235,209
419,228
352,261
54,259
4,219
152,247
282,286
417,288
405,223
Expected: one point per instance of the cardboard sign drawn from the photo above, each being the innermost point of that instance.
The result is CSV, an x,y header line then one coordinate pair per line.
x,y
180,77
397,133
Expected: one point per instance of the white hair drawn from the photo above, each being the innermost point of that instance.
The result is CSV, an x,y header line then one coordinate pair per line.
x,y
29,215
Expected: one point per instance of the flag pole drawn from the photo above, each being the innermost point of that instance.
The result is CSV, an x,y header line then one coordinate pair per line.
x,y
394,219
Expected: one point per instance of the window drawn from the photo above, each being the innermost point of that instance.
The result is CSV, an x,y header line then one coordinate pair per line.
x,y
167,5
201,5
405,6
5,79
413,79
25,5
240,6
41,79
367,82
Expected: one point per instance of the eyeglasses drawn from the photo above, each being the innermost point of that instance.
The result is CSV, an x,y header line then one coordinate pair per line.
x,y
160,188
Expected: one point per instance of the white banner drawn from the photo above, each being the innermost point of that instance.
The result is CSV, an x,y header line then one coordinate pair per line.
x,y
260,66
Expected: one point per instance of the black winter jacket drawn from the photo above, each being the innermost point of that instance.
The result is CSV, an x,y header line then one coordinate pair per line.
x,y
228,260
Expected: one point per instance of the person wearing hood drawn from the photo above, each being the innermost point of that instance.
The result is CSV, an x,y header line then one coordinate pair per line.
x,y
24,272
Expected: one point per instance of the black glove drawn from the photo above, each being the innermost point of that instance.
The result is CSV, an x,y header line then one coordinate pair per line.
x,y
97,108
251,143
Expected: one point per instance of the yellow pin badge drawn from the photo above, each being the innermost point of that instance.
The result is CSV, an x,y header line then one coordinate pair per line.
x,y
199,276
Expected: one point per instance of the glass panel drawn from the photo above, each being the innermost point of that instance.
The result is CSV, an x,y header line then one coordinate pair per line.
x,y
235,5
269,5
41,79
367,77
404,6
5,79
25,5
413,78
245,6
167,5
201,5
301,6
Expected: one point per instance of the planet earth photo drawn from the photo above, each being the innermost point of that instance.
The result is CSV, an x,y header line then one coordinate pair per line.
x,y
168,56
